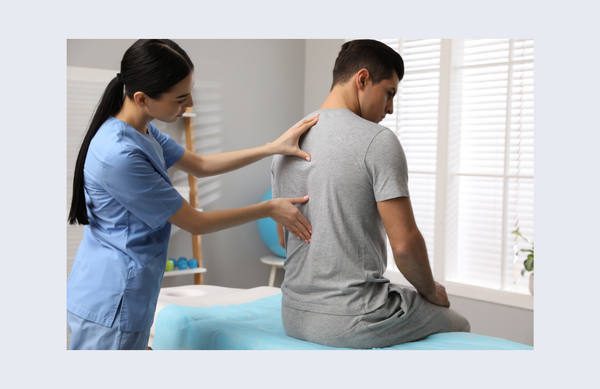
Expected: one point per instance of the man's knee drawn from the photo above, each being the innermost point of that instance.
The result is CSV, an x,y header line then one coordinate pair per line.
x,y
462,324
454,321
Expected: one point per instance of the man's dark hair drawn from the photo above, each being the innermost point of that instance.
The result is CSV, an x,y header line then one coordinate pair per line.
x,y
377,57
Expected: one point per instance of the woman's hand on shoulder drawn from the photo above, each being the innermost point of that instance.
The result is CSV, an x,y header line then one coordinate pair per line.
x,y
287,144
288,216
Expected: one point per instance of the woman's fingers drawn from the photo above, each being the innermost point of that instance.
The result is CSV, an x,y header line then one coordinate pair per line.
x,y
303,127
291,218
303,155
300,224
307,123
288,143
299,229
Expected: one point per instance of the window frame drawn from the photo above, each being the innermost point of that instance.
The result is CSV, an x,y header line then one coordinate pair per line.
x,y
449,50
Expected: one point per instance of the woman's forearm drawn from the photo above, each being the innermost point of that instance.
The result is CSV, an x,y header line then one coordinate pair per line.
x,y
214,164
282,211
213,221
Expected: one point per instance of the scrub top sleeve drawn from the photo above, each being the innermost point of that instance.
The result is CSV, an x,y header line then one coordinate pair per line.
x,y
172,151
133,181
386,166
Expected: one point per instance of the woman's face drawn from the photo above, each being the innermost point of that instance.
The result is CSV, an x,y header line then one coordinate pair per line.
x,y
170,106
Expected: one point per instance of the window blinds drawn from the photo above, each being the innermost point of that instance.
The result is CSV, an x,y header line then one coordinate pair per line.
x,y
415,122
489,153
494,176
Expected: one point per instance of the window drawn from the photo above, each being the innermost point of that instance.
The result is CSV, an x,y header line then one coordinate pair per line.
x,y
464,116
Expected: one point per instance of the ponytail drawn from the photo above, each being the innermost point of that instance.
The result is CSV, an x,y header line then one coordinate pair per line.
x,y
110,104
152,66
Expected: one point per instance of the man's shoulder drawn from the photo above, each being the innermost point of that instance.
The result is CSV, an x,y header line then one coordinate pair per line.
x,y
349,123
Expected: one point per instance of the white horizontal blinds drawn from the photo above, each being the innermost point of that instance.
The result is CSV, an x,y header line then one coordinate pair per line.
x,y
496,139
481,163
415,120
84,89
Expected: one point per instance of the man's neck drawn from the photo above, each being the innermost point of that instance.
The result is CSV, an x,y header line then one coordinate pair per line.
x,y
342,97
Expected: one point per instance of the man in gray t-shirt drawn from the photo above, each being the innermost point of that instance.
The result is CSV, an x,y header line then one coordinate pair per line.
x,y
334,292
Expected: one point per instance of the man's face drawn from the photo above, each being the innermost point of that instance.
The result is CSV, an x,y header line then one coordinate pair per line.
x,y
376,101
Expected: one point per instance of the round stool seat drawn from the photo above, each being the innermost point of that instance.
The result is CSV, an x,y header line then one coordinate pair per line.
x,y
273,260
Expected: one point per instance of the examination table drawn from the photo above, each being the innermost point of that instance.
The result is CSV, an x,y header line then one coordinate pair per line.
x,y
205,317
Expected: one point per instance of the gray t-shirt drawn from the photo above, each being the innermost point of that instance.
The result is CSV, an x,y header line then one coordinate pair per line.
x,y
354,164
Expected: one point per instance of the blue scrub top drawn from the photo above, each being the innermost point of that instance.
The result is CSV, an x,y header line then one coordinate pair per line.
x,y
129,197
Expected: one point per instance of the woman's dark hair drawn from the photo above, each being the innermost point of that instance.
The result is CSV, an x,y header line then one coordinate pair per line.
x,y
152,66
377,57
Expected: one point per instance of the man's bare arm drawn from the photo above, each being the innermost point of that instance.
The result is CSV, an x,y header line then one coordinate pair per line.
x,y
408,246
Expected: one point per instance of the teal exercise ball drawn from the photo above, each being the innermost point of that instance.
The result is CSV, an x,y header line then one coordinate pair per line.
x,y
268,231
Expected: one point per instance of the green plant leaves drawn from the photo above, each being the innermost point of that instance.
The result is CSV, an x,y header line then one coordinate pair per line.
x,y
522,237
528,263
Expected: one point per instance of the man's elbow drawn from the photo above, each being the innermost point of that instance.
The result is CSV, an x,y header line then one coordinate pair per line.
x,y
402,252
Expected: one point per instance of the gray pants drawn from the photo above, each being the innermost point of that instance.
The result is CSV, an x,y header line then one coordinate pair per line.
x,y
405,317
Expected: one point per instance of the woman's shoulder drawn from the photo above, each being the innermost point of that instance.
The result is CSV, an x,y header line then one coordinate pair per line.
x,y
113,137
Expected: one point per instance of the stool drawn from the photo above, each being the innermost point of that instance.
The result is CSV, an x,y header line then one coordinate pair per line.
x,y
275,262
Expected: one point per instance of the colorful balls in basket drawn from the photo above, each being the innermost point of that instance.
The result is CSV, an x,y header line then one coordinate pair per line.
x,y
182,263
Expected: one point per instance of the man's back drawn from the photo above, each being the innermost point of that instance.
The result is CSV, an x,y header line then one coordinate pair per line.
x,y
354,164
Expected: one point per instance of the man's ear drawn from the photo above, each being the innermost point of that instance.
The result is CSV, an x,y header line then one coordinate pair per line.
x,y
140,98
361,78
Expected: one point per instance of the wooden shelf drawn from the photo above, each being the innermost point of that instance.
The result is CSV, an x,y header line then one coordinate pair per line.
x,y
188,122
197,270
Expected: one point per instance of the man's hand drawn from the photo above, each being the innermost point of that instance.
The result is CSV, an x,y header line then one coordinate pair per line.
x,y
439,297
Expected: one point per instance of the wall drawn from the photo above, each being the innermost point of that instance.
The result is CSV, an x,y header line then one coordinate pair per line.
x,y
320,58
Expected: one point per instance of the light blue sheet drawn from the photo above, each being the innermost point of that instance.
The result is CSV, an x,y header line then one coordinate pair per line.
x,y
257,326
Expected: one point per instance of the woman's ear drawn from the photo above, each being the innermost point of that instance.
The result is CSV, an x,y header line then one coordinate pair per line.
x,y
140,98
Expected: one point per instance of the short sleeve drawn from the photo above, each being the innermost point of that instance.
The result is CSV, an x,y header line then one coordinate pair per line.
x,y
386,166
133,181
172,151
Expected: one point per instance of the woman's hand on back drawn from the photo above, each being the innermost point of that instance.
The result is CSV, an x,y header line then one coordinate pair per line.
x,y
287,215
287,144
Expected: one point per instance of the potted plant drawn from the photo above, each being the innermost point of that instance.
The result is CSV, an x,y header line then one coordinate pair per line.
x,y
528,263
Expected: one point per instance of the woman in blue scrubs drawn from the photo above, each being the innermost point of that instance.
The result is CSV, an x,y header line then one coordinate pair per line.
x,y
124,197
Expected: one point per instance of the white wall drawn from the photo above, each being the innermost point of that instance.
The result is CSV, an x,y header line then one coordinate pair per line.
x,y
320,58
